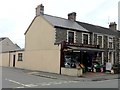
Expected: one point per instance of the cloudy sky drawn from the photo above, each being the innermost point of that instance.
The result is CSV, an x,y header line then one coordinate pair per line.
x,y
16,15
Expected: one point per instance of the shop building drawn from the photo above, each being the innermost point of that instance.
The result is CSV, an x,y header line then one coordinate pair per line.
x,y
58,45
68,42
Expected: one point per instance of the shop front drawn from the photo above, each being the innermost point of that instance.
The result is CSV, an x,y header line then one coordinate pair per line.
x,y
87,58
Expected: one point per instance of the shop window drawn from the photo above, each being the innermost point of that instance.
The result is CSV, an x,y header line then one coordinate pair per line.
x,y
20,57
71,59
71,37
99,57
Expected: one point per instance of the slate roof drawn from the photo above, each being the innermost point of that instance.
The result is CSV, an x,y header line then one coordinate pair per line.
x,y
81,26
98,29
77,25
2,39
64,23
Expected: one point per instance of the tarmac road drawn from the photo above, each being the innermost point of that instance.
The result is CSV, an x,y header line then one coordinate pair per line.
x,y
18,78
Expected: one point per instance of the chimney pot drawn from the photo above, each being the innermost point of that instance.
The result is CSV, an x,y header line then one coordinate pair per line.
x,y
72,16
40,10
113,26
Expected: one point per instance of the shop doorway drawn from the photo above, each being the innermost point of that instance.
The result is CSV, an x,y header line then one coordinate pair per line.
x,y
13,60
86,60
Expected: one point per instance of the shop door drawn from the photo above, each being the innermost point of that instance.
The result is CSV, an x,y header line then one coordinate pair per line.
x,y
87,60
13,60
84,61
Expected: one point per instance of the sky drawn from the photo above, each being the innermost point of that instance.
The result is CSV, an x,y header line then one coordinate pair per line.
x,y
16,15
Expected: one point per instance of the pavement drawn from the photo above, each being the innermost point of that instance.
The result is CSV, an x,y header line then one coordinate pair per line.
x,y
89,76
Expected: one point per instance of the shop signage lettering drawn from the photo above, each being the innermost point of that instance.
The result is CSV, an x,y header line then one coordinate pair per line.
x,y
82,45
67,49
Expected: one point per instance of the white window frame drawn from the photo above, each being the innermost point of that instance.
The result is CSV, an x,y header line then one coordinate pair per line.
x,y
102,57
88,37
74,35
109,41
93,38
102,39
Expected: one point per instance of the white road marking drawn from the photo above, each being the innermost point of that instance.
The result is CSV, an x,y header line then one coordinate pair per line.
x,y
55,83
58,83
72,81
22,85
19,87
39,84
45,84
31,85
15,82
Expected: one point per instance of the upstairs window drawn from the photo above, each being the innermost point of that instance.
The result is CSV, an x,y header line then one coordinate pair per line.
x,y
85,38
20,57
110,42
100,41
71,37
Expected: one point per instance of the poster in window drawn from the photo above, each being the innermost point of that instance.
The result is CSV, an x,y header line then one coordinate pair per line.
x,y
108,66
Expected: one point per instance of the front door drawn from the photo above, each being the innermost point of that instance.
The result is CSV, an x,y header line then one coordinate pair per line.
x,y
13,60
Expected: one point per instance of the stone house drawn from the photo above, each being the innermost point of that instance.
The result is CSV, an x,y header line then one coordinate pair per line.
x,y
57,45
56,40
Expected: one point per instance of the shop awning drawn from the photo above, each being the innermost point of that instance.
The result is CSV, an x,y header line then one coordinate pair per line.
x,y
85,49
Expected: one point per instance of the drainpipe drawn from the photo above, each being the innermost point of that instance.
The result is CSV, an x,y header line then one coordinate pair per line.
x,y
9,58
60,59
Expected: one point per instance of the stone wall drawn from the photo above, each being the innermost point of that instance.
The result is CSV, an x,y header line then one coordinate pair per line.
x,y
95,39
61,35
78,37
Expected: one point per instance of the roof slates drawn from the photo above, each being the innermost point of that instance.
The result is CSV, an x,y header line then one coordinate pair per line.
x,y
61,22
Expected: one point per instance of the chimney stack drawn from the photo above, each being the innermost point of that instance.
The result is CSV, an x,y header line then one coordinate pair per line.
x,y
113,26
72,16
39,10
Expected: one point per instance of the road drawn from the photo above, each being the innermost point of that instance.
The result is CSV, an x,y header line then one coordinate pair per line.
x,y
16,78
